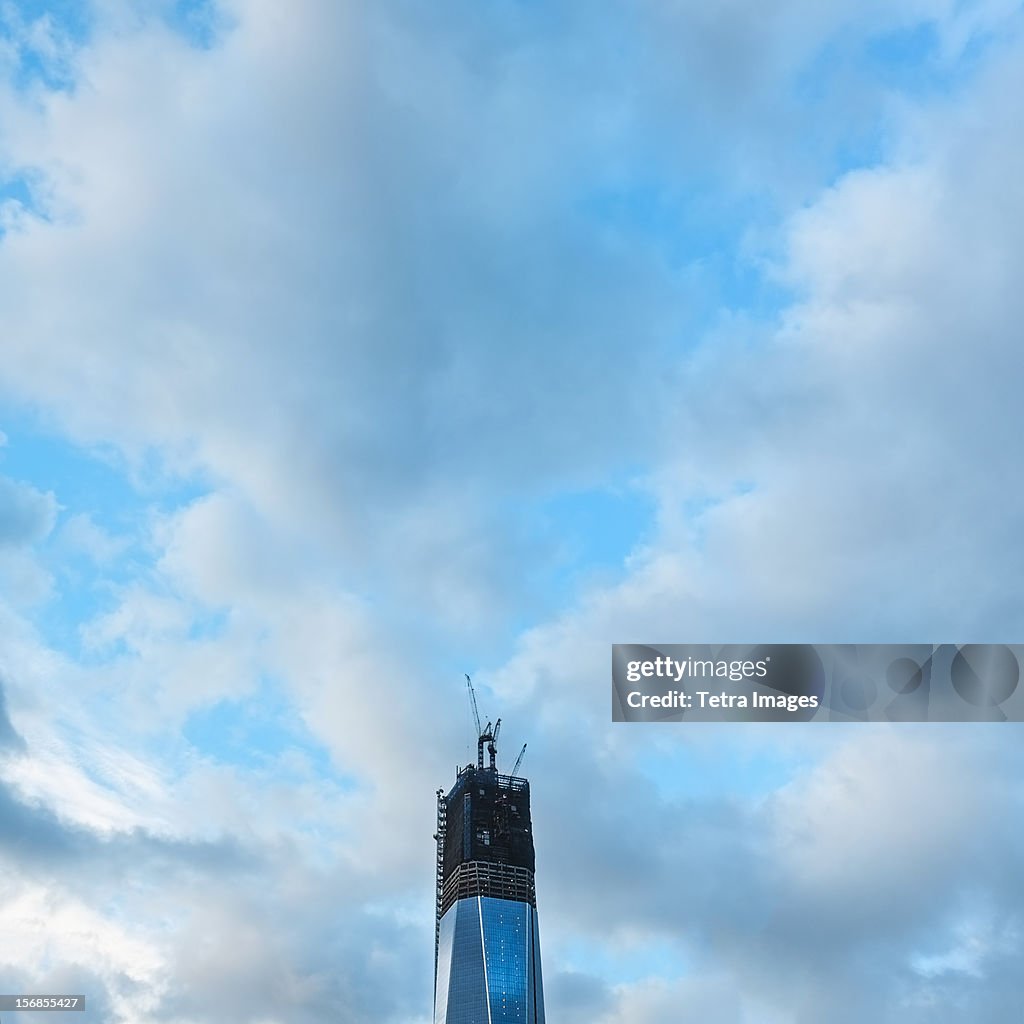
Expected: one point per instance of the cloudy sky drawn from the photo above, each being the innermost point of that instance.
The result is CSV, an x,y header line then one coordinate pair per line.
x,y
346,347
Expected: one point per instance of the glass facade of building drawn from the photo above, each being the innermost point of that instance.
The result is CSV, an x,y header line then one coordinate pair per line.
x,y
488,964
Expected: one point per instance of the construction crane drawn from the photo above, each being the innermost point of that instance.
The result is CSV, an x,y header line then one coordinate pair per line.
x,y
519,761
483,735
472,702
492,747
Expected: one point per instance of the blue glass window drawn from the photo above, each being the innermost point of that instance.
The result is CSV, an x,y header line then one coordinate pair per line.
x,y
488,965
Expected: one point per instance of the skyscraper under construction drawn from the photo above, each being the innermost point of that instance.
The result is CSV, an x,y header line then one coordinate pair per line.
x,y
486,941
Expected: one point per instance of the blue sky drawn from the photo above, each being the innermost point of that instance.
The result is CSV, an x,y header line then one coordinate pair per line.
x,y
346,348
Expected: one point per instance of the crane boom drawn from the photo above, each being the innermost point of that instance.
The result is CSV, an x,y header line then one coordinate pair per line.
x,y
472,701
519,761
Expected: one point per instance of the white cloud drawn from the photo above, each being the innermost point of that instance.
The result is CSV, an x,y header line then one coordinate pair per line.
x,y
81,533
336,267
43,926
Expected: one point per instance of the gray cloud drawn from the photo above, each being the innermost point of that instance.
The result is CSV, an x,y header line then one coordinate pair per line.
x,y
823,900
33,835
396,305
26,515
9,737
